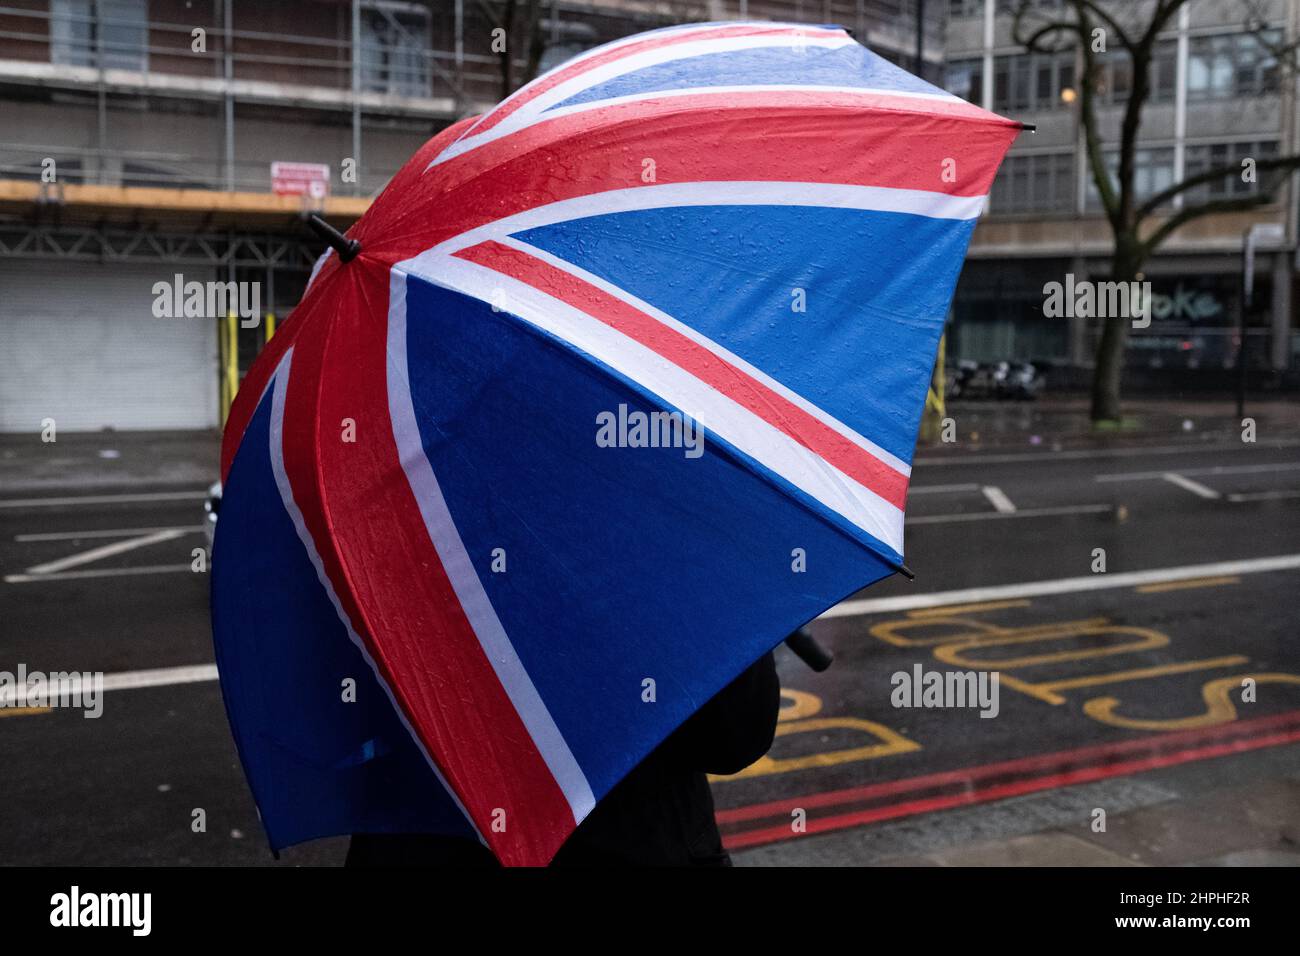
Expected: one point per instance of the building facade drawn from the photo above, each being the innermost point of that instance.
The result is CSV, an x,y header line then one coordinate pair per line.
x,y
1218,97
137,143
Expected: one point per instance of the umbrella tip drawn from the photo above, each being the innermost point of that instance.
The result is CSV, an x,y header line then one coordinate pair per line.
x,y
346,248
907,572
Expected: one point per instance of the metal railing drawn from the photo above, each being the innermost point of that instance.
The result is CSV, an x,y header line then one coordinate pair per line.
x,y
202,48
414,63
124,167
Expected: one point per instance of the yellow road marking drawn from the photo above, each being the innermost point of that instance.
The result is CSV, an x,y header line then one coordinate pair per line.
x,y
976,631
802,705
23,711
1219,708
890,742
952,609
1191,583
1146,639
1047,691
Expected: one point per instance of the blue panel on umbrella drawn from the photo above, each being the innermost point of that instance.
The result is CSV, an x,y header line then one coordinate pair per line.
x,y
622,564
875,299
317,766
853,66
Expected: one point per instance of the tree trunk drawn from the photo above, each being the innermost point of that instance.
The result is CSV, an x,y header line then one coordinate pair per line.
x,y
505,58
1109,370
536,42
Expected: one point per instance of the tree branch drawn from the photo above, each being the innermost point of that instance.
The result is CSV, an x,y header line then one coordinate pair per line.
x,y
1034,41
1110,202
489,12
1210,176
1105,17
1187,214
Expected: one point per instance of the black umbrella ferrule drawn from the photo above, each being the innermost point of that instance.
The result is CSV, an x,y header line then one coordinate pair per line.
x,y
346,248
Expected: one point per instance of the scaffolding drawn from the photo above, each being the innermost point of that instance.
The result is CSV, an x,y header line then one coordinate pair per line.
x,y
365,64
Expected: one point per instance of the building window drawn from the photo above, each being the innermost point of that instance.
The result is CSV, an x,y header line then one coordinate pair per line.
x,y
81,29
1232,65
1164,72
1034,182
566,39
1204,157
1114,77
1031,81
1153,171
1009,7
965,78
965,8
395,49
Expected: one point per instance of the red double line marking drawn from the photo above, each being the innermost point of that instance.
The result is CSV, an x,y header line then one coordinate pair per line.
x,y
1009,778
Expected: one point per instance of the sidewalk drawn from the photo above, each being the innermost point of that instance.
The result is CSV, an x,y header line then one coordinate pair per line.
x,y
1255,825
97,461
104,460
1058,423
1241,813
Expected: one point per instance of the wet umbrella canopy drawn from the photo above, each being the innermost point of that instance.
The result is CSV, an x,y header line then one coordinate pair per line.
x,y
621,389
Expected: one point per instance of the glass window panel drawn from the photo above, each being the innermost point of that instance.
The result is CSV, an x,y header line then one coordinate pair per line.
x,y
71,33
124,35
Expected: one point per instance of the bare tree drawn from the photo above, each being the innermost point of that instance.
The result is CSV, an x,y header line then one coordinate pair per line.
x,y
1138,224
520,21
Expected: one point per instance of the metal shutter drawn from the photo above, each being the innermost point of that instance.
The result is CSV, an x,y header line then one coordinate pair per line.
x,y
79,344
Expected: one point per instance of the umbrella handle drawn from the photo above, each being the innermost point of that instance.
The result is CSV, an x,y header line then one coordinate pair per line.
x,y
809,650
346,248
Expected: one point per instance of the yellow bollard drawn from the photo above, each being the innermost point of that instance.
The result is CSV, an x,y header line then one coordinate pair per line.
x,y
935,405
223,403
229,339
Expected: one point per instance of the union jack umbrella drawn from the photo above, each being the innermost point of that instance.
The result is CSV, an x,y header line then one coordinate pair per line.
x,y
621,389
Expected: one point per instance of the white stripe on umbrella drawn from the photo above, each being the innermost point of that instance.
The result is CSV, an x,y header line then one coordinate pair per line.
x,y
730,358
464,578
280,383
750,434
534,110
916,202
667,37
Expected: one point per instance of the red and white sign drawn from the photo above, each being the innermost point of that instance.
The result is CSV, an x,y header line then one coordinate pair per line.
x,y
300,179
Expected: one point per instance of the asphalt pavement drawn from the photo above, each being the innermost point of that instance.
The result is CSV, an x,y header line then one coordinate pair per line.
x,y
1120,734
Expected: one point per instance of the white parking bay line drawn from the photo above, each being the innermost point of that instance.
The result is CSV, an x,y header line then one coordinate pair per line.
x,y
940,489
105,533
1265,495
1014,513
134,680
1091,582
998,500
160,677
104,551
1195,487
1082,454
103,499
1213,470
97,573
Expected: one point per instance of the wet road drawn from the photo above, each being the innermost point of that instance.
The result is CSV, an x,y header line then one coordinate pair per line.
x,y
1119,689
